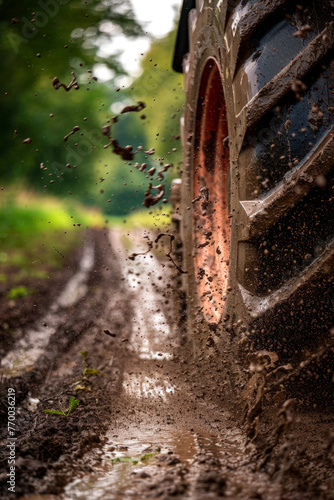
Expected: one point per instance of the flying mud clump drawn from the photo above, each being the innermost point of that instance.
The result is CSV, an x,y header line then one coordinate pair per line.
x,y
168,254
75,129
128,154
139,107
57,84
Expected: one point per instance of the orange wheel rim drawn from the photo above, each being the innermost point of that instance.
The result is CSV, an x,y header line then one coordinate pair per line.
x,y
211,221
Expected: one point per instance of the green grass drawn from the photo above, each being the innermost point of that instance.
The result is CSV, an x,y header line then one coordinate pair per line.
x,y
124,460
147,456
18,292
133,461
72,405
21,226
37,233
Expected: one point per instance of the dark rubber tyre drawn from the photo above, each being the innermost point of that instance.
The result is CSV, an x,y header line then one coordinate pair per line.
x,y
257,190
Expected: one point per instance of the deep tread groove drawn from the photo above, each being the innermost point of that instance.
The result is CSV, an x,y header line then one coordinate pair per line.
x,y
263,213
321,268
250,22
279,86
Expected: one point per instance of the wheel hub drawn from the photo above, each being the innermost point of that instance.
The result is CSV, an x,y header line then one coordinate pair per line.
x,y
211,222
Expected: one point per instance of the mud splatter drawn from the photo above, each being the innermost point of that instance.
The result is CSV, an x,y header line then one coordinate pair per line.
x,y
75,129
150,199
63,256
165,168
57,84
286,416
139,107
151,151
303,31
126,153
169,254
134,255
107,332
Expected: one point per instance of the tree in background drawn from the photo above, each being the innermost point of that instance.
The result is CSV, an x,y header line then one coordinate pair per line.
x,y
47,39
157,126
40,41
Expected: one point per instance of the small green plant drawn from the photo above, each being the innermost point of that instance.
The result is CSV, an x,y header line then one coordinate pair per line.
x,y
88,371
84,384
124,460
18,292
133,461
147,456
73,403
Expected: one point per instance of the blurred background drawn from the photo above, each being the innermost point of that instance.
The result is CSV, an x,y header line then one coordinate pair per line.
x,y
116,52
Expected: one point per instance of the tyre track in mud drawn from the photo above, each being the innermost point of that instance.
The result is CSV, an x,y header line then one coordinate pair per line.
x,y
49,444
31,347
149,395
160,408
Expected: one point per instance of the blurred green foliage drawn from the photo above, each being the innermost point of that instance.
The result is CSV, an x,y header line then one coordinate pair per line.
x,y
164,94
44,39
18,292
37,236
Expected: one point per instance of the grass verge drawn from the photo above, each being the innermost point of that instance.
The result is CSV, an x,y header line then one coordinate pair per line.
x,y
38,233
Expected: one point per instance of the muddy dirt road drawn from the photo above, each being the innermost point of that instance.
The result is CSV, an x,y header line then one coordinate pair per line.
x,y
153,421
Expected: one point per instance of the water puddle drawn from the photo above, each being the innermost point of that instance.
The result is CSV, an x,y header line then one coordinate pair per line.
x,y
32,346
133,464
125,462
141,457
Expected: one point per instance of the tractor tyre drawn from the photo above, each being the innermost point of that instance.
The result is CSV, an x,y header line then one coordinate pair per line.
x,y
257,200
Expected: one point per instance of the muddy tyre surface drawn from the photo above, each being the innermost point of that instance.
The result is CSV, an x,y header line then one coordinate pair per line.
x,y
257,190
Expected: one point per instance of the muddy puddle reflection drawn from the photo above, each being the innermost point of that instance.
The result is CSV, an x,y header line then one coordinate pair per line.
x,y
124,462
129,465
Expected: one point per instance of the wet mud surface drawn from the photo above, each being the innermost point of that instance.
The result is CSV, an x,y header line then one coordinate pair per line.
x,y
153,421
16,315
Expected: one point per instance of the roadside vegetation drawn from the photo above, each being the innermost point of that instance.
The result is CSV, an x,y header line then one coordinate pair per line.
x,y
40,113
51,188
37,235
